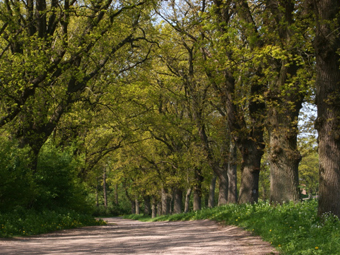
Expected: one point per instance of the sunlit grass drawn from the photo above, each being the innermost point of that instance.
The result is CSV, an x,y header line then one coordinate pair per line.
x,y
291,228
31,222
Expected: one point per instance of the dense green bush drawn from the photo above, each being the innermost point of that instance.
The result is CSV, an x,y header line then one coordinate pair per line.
x,y
57,181
17,186
49,199
21,222
54,184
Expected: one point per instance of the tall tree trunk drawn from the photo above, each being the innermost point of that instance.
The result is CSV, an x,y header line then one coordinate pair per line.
x,y
211,199
116,194
187,200
178,195
232,173
165,202
222,187
327,44
221,172
132,201
104,188
97,189
206,199
197,203
153,207
284,161
137,205
248,138
250,171
147,205
159,208
284,103
133,206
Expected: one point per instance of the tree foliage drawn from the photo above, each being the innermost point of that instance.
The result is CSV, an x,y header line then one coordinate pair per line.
x,y
156,94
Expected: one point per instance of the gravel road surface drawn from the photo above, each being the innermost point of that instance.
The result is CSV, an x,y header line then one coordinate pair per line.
x,y
123,236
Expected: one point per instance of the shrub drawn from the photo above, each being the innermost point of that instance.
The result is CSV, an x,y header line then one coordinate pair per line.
x,y
17,186
57,181
31,222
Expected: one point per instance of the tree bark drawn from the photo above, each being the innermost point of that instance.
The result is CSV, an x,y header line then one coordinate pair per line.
x,y
153,207
133,206
116,194
284,159
132,201
197,203
178,194
137,205
232,173
211,199
250,170
147,205
284,103
326,45
159,208
221,172
165,202
223,187
187,200
104,188
97,189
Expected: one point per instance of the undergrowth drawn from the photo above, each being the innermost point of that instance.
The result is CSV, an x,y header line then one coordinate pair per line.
x,y
292,228
32,222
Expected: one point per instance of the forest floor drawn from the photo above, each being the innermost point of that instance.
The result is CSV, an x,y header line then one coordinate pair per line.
x,y
122,236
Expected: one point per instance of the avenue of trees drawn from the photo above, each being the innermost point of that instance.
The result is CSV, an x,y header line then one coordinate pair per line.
x,y
165,101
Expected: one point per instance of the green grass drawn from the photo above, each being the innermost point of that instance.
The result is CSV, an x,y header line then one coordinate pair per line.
x,y
31,222
290,228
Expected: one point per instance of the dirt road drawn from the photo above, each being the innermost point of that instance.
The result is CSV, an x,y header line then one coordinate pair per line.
x,y
122,236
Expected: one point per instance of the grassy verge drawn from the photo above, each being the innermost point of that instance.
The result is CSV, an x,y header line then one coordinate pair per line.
x,y
31,222
290,228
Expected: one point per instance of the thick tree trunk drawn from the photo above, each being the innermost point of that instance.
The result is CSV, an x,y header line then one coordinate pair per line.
x,y
187,200
159,208
165,202
211,199
223,187
147,205
232,173
178,194
250,170
326,44
197,202
284,103
284,160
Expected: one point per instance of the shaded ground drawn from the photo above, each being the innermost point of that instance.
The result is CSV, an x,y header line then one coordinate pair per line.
x,y
133,237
